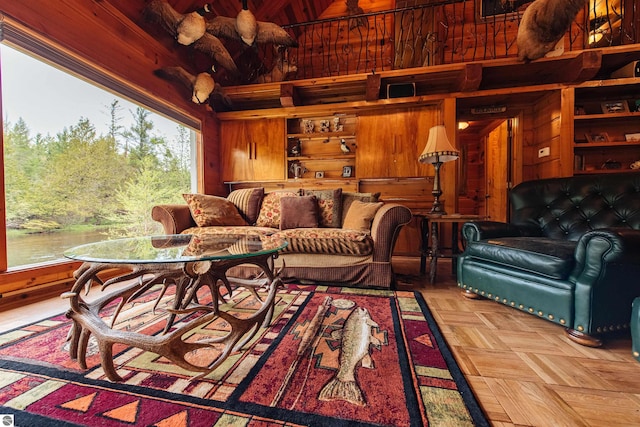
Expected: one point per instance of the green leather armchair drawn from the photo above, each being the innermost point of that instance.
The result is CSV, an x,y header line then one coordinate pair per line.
x,y
569,254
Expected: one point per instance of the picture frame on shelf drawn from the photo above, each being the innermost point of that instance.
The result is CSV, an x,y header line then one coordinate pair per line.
x,y
597,137
347,171
611,107
632,137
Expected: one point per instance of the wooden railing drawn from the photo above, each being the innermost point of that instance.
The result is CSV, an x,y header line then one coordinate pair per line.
x,y
449,31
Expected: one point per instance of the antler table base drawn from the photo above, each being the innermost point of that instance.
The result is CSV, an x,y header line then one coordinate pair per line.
x,y
188,278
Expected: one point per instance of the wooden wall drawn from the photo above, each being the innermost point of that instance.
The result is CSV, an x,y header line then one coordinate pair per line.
x,y
545,133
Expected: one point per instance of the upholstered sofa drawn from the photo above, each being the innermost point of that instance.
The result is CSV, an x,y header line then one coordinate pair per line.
x,y
334,237
570,253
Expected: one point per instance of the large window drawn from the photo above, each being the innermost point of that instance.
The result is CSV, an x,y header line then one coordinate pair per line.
x,y
81,164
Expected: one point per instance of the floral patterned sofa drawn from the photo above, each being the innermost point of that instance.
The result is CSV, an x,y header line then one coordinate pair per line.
x,y
334,237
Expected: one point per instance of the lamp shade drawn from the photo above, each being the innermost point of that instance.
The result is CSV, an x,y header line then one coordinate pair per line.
x,y
438,148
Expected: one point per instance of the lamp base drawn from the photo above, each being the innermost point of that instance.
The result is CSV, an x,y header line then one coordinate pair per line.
x,y
437,209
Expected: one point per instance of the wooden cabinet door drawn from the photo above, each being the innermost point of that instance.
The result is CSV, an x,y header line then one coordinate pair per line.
x,y
389,143
253,150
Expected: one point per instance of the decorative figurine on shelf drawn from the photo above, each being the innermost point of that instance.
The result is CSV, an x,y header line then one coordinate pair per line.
x,y
297,169
635,165
307,126
344,147
295,149
337,127
324,125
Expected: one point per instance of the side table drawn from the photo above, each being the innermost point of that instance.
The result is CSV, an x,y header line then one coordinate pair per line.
x,y
430,239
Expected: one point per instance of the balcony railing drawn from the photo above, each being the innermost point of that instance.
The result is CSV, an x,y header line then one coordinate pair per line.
x,y
449,31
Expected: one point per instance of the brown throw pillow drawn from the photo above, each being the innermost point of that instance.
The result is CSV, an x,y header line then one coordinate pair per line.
x,y
360,215
298,212
348,198
248,201
213,210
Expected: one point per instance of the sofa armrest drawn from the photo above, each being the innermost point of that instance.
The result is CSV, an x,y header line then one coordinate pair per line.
x,y
174,218
474,231
385,228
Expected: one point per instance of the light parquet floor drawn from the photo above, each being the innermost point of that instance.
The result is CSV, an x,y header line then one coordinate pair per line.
x,y
522,369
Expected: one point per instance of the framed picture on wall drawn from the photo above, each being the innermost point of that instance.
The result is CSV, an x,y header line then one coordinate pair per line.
x,y
492,8
347,171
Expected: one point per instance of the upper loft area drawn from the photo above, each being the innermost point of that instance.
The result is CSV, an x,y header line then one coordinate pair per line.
x,y
351,51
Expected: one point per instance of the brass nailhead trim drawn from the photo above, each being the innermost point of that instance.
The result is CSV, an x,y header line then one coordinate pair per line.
x,y
513,304
504,301
551,317
581,328
636,354
530,310
562,321
521,307
540,313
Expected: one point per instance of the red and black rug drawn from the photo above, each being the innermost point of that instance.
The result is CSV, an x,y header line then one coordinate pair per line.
x,y
332,356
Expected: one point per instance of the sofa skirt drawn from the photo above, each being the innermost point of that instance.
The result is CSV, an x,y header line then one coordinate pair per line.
x,y
340,270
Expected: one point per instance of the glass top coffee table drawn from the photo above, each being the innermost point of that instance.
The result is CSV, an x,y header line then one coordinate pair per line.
x,y
151,265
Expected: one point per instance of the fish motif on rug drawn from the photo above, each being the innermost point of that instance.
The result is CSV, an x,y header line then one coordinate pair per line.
x,y
356,338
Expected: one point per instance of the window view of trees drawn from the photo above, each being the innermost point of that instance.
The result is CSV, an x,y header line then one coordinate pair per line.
x,y
79,186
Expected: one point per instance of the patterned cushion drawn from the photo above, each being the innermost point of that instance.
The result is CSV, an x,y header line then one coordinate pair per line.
x,y
348,198
298,212
326,241
212,210
248,201
234,244
329,206
201,231
269,215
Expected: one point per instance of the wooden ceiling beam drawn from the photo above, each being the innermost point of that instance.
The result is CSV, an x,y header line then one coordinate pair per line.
x,y
470,78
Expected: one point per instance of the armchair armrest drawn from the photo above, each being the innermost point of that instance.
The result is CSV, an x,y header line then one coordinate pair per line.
x,y
597,248
474,231
174,218
607,264
385,228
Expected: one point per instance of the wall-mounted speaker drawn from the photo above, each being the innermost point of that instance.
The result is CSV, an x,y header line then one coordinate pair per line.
x,y
632,69
401,90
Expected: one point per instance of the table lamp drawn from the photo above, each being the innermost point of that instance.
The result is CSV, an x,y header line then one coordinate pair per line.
x,y
437,151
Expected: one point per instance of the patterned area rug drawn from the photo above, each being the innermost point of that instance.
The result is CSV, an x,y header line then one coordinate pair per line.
x,y
332,356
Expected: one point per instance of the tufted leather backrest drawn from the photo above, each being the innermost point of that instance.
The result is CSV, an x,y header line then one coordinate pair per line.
x,y
565,208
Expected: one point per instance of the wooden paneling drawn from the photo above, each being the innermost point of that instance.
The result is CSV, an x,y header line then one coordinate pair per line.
x,y
389,143
496,173
547,126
